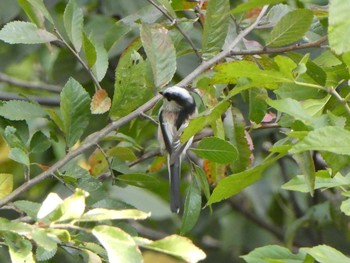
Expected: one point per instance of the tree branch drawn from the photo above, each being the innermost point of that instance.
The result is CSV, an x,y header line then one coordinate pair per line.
x,y
267,50
31,85
41,100
94,138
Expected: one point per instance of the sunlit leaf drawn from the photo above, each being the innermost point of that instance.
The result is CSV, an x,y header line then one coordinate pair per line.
x,y
100,102
20,250
99,214
326,254
274,252
21,110
254,4
119,245
19,156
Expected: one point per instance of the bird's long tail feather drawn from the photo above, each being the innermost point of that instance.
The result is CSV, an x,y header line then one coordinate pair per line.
x,y
175,174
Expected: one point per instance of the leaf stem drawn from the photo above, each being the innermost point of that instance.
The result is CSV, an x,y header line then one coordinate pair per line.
x,y
335,94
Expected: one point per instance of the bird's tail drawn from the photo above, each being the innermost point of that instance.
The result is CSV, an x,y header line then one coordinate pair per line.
x,y
174,177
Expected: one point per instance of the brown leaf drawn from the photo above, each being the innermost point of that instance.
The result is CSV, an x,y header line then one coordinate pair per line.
x,y
100,102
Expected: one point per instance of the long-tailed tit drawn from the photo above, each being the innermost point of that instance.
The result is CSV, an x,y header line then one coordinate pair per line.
x,y
178,107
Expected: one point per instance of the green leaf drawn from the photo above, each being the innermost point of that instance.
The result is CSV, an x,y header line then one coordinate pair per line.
x,y
326,254
119,245
44,240
51,203
192,207
100,214
177,246
92,257
198,123
254,4
131,88
42,254
101,65
6,184
73,22
36,10
330,139
216,150
28,207
39,143
122,153
232,72
12,138
322,181
339,26
291,107
307,167
140,180
75,110
19,32
17,110
345,207
20,250
234,183
215,27
273,253
15,227
160,53
89,51
19,156
290,28
257,104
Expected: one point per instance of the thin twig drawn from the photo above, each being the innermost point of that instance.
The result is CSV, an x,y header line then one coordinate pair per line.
x,y
94,138
268,50
334,93
174,22
41,100
92,75
31,85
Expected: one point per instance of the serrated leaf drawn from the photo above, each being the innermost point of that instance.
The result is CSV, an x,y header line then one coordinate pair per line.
x,y
42,254
233,72
99,214
6,184
16,110
73,22
215,27
51,202
160,53
192,207
326,254
131,88
119,245
216,150
339,26
12,138
36,10
254,4
178,246
234,183
100,102
257,104
89,51
43,240
19,228
75,110
19,156
19,32
330,139
139,180
122,153
290,28
73,207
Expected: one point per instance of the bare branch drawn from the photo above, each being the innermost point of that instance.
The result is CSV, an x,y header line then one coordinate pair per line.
x,y
41,100
28,84
276,50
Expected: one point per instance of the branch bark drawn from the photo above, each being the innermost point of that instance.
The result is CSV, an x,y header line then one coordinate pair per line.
x,y
94,138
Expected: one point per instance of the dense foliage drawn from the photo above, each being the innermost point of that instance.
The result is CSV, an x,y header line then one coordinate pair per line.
x,y
82,178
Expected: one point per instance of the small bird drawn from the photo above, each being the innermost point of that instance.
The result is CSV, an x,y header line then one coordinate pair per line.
x,y
178,107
